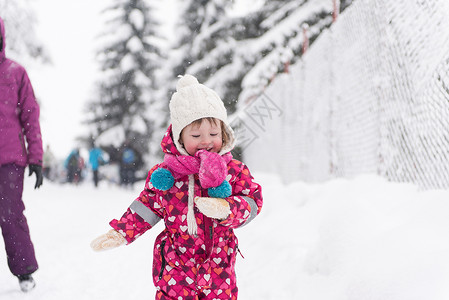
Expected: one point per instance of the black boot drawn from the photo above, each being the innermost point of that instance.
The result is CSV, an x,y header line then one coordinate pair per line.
x,y
26,282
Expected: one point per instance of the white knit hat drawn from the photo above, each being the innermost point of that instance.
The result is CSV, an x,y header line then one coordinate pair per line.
x,y
193,101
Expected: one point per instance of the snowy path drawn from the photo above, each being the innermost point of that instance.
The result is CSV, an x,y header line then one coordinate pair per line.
x,y
345,239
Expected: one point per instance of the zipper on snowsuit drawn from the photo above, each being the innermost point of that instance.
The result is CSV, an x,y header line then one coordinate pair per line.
x,y
208,236
163,260
22,143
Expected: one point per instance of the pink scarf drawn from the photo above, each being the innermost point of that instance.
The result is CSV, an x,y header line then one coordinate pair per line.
x,y
211,167
212,171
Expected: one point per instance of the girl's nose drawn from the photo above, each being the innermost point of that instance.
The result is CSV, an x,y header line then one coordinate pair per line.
x,y
205,141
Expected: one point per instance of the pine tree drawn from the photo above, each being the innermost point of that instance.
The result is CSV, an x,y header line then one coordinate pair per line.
x,y
238,56
198,18
22,43
257,45
129,61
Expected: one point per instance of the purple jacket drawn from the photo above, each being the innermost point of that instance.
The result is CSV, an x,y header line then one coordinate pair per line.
x,y
19,114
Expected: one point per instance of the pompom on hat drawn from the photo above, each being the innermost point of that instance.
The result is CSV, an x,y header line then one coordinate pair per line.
x,y
193,101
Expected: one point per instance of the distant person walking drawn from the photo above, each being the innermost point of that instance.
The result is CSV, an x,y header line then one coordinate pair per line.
x,y
130,162
74,165
19,120
48,163
96,160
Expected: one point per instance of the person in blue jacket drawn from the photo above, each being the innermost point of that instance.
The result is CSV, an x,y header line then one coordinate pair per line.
x,y
74,165
130,162
96,160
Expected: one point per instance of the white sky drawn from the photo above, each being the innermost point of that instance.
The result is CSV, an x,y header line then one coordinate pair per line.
x,y
67,29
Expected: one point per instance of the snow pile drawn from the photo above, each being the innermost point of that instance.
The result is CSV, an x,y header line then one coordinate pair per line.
x,y
357,239
348,239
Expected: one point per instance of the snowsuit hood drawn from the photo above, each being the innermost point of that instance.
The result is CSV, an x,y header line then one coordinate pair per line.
x,y
19,114
167,143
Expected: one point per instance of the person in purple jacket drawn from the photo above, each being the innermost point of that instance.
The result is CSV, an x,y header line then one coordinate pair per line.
x,y
19,120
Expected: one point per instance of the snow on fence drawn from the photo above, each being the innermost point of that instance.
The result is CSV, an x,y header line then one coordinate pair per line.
x,y
371,95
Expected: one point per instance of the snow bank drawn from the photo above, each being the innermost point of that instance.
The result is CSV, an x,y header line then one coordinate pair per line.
x,y
363,238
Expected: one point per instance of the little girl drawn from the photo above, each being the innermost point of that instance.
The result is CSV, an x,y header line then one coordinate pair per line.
x,y
201,193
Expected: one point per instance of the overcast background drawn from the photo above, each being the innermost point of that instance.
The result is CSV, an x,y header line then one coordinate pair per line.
x,y
69,30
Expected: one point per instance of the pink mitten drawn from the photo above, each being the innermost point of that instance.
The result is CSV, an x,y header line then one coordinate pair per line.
x,y
110,240
213,169
216,208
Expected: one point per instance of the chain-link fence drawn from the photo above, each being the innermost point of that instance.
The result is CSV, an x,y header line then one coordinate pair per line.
x,y
370,96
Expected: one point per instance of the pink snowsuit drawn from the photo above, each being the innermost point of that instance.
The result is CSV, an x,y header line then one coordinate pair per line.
x,y
186,266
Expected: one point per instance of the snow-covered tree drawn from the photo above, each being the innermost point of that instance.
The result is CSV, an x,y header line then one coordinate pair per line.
x,y
22,43
125,92
238,55
197,17
235,53
238,51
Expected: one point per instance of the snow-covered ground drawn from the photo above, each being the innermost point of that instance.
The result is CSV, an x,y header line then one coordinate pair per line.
x,y
356,239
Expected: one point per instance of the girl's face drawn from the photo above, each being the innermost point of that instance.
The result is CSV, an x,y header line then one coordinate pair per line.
x,y
204,136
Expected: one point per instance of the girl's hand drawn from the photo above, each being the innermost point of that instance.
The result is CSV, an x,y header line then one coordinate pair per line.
x,y
110,240
216,208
